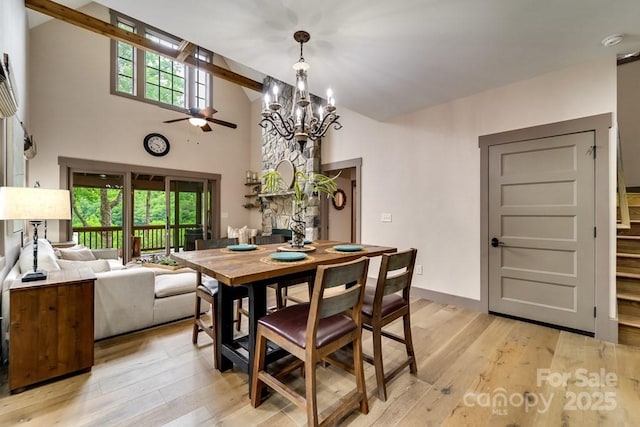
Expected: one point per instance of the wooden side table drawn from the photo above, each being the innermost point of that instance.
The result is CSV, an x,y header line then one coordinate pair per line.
x,y
51,327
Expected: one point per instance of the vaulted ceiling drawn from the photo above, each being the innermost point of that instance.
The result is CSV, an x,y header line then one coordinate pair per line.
x,y
387,58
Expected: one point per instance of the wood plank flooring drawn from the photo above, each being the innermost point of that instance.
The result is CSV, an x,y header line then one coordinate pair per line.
x,y
473,369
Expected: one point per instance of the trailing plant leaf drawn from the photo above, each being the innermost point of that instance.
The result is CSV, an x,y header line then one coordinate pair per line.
x,y
303,185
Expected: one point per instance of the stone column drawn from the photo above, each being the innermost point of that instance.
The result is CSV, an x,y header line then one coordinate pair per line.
x,y
278,210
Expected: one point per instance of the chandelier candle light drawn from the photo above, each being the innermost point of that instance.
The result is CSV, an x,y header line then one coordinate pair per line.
x,y
302,124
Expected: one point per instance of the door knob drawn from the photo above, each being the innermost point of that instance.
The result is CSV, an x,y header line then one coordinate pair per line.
x,y
495,242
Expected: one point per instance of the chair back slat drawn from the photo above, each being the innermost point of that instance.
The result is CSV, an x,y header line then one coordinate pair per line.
x,y
215,243
353,276
400,260
396,283
348,273
396,272
340,302
267,240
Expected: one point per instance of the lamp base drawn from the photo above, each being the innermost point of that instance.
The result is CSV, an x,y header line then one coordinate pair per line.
x,y
35,276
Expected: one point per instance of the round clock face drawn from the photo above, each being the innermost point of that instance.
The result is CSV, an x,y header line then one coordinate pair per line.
x,y
156,144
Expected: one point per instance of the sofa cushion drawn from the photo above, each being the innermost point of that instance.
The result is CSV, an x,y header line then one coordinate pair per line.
x,y
244,234
115,264
79,254
175,284
97,265
106,253
46,257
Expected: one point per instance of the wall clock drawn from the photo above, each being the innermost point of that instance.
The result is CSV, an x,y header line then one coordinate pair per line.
x,y
156,144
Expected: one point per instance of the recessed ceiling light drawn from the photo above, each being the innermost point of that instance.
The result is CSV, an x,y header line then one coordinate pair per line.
x,y
612,40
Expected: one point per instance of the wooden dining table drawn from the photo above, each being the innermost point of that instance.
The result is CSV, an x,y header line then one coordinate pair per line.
x,y
255,270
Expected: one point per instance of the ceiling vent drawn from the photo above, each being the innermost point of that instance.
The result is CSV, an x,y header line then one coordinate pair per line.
x,y
8,99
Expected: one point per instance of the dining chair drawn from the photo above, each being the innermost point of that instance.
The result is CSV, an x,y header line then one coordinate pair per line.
x,y
208,291
382,305
311,332
280,288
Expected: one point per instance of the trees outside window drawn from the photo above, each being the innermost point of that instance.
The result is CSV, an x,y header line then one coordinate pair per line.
x,y
153,78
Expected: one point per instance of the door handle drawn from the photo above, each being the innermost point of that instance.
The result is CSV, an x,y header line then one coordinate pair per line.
x,y
495,242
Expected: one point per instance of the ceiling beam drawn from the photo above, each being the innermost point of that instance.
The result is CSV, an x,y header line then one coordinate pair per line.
x,y
185,50
82,20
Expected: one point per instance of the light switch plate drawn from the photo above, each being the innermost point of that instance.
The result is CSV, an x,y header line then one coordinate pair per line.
x,y
385,217
224,214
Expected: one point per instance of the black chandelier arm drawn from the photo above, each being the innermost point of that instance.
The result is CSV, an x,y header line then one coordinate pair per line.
x,y
287,125
323,127
279,126
275,130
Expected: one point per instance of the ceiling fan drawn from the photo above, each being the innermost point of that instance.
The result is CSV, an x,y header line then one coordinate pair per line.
x,y
200,117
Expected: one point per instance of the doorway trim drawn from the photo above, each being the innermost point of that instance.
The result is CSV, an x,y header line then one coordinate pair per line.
x,y
606,324
357,207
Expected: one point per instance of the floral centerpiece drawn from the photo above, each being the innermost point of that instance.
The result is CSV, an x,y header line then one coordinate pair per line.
x,y
305,186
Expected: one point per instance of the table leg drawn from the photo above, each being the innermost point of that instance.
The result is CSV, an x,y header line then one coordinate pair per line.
x,y
257,309
224,325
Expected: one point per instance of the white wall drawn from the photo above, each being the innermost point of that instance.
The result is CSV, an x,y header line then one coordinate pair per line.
x,y
629,120
424,167
13,41
74,115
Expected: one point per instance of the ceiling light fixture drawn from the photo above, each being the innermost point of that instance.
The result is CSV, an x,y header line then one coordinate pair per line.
x,y
197,121
302,124
612,40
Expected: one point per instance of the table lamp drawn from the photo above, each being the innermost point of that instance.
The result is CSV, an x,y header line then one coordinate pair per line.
x,y
28,203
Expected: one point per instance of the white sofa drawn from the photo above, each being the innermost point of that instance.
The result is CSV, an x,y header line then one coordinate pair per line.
x,y
126,299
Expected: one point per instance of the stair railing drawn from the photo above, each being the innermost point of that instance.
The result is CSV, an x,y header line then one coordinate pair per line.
x,y
623,202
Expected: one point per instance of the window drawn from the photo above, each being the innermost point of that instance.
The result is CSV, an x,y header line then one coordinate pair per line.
x,y
154,78
125,60
112,203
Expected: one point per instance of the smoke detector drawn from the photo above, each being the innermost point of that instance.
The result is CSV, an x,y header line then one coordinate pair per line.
x,y
612,40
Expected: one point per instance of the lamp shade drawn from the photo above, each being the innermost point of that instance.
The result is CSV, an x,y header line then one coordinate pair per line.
x,y
34,203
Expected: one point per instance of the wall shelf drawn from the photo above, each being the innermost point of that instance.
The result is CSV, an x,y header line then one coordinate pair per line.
x,y
254,195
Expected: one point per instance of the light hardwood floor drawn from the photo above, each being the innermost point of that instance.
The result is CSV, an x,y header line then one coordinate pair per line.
x,y
473,369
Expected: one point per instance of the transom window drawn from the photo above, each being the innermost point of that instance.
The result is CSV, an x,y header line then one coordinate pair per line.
x,y
154,78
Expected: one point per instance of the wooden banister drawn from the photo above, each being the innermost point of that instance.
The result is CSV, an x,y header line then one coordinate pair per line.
x,y
623,203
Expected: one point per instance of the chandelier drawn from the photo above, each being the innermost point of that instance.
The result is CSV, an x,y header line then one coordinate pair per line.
x,y
301,124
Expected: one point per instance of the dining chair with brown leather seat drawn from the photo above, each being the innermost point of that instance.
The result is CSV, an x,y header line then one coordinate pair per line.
x,y
311,332
281,288
382,305
208,291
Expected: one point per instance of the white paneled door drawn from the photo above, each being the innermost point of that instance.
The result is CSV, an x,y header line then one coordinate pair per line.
x,y
541,230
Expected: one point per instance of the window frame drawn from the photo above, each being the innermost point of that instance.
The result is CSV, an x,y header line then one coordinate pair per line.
x,y
139,67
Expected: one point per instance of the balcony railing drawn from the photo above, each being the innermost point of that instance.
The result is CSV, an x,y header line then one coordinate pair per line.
x,y
151,236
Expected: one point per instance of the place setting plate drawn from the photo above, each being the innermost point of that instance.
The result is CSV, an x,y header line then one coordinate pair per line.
x,y
289,248
242,247
286,258
345,248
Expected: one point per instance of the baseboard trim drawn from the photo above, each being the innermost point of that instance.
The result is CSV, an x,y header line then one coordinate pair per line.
x,y
443,298
609,333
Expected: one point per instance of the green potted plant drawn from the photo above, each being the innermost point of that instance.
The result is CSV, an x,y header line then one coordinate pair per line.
x,y
304,187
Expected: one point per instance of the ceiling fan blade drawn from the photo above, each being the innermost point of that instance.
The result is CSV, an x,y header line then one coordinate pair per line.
x,y
176,120
208,112
221,122
206,128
